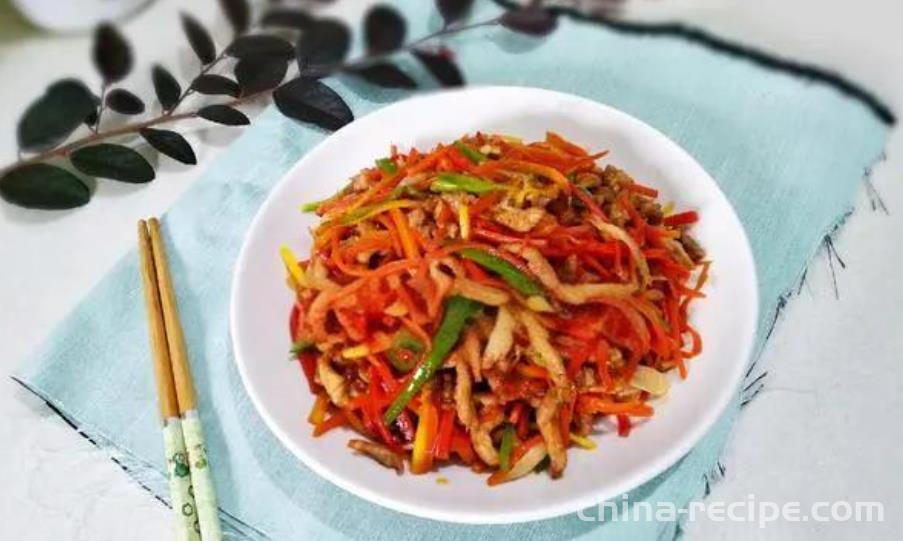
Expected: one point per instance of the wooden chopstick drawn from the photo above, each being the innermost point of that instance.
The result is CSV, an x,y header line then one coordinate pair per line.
x,y
178,471
166,391
178,353
186,399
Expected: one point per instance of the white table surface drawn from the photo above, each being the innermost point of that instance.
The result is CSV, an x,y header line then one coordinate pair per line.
x,y
827,427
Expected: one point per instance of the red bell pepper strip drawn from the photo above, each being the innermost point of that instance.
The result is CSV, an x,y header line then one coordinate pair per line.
x,y
523,426
682,218
375,398
308,360
623,426
565,416
293,322
576,357
444,436
461,445
337,419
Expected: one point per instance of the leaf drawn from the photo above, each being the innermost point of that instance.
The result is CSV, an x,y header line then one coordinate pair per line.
x,y
116,162
238,12
170,143
384,29
112,54
532,20
255,75
223,114
309,100
42,186
384,74
261,46
215,85
287,18
323,45
92,118
94,115
442,66
453,10
199,39
166,86
50,119
123,101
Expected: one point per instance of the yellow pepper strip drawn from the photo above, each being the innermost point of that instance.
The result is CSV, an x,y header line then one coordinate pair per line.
x,y
361,214
356,352
538,303
425,437
318,411
404,232
586,443
464,221
294,269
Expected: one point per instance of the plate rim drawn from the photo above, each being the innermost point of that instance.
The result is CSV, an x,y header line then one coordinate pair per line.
x,y
572,505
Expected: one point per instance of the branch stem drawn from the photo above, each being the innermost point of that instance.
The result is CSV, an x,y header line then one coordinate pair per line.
x,y
170,115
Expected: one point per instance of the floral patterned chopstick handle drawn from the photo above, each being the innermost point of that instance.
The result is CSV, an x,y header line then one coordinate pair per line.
x,y
180,490
204,493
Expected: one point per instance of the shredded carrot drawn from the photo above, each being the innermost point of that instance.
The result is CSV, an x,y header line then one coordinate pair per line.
x,y
532,371
560,142
404,233
335,255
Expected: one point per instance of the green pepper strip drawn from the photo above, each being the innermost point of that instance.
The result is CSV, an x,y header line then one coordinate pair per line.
x,y
314,206
404,351
387,166
505,448
458,310
511,274
406,190
455,182
469,153
302,345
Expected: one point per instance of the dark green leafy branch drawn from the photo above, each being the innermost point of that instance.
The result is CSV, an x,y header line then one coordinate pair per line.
x,y
53,165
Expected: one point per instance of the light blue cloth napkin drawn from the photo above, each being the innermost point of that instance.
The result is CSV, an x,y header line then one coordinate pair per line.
x,y
789,154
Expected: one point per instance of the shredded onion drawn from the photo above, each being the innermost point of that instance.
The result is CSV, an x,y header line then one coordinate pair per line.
x,y
650,380
522,467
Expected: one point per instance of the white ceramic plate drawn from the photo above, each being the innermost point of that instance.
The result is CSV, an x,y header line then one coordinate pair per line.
x,y
726,318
